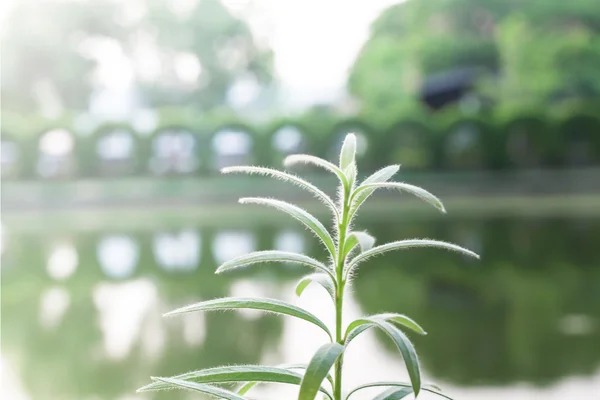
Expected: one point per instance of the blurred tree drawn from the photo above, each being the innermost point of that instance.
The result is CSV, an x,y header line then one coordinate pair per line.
x,y
541,64
204,53
546,49
172,52
43,52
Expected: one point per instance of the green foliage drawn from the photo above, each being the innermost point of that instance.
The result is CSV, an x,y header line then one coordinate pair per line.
x,y
347,251
530,52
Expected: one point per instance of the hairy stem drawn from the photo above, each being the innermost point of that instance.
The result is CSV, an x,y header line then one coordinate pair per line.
x,y
339,299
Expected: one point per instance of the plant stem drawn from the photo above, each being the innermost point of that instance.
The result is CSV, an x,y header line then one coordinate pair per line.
x,y
339,299
337,395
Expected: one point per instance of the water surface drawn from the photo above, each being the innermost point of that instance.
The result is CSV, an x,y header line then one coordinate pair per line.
x,y
81,309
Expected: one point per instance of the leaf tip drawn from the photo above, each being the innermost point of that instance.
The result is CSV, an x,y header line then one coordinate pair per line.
x,y
289,160
348,151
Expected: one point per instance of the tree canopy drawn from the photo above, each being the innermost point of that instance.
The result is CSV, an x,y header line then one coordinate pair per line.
x,y
531,52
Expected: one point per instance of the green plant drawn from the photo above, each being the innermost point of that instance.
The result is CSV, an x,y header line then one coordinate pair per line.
x,y
347,250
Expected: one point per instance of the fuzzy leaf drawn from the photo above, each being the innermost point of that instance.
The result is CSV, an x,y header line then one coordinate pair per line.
x,y
397,319
206,389
319,162
322,279
318,368
427,388
301,215
348,152
351,243
379,176
382,175
272,256
284,176
350,173
235,373
249,385
365,241
415,190
406,244
394,394
268,305
402,343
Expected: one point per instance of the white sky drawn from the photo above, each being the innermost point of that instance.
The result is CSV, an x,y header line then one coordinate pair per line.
x,y
314,41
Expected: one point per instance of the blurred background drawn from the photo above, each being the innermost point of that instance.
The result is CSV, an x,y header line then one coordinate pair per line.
x,y
116,117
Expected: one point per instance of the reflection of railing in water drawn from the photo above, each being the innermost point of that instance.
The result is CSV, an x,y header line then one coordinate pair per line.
x,y
121,256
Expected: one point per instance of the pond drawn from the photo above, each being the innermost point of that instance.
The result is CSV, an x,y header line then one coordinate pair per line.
x,y
81,309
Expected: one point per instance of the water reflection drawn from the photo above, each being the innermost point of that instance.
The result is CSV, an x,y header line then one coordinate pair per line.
x,y
54,303
528,312
62,261
231,244
121,308
118,256
177,251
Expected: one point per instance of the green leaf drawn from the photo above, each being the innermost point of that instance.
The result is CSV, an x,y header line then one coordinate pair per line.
x,y
249,385
402,343
206,389
236,373
303,367
394,394
351,243
318,368
406,244
348,152
272,256
433,386
398,319
319,162
350,172
379,176
301,215
268,305
284,176
427,388
415,190
246,387
322,279
382,175
363,239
